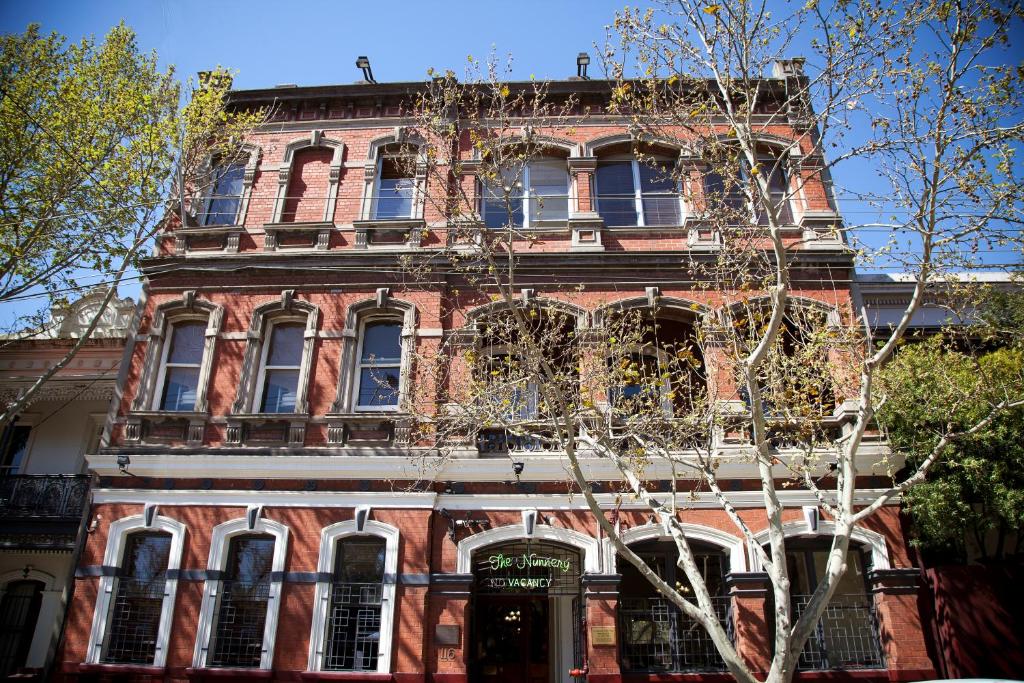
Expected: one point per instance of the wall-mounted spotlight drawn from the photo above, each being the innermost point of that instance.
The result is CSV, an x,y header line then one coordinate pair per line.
x,y
122,464
363,62
518,467
582,61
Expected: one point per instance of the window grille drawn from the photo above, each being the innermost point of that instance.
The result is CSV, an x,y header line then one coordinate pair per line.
x,y
846,636
354,617
241,613
658,637
138,590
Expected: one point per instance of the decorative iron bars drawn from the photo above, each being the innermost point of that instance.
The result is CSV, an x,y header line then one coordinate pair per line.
x,y
846,636
499,441
134,621
657,637
353,627
241,617
51,496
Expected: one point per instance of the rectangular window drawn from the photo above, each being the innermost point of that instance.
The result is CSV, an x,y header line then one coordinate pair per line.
x,y
379,369
659,194
13,448
225,195
546,192
135,610
616,194
497,212
634,193
281,369
395,188
241,612
181,369
354,616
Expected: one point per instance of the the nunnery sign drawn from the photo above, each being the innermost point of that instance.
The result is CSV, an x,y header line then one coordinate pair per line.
x,y
527,568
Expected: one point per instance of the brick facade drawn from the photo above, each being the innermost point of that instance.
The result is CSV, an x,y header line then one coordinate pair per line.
x,y
310,471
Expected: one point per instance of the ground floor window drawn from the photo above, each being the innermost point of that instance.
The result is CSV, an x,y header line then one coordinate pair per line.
x,y
655,635
137,605
846,636
18,611
244,593
354,617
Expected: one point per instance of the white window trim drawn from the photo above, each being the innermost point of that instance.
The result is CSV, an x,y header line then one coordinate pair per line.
x,y
872,541
587,545
219,544
208,202
113,556
375,197
165,352
261,377
524,199
728,543
638,195
358,364
329,538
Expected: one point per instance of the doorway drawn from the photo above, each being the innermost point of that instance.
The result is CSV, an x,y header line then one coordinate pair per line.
x,y
19,610
526,617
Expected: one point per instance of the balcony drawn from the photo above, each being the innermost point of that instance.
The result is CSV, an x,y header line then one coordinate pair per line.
x,y
42,511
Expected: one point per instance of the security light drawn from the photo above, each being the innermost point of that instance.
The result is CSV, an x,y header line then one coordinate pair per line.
x,y
582,60
122,463
363,62
518,468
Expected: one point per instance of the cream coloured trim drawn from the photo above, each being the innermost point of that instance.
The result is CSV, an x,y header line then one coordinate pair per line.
x,y
732,544
588,545
826,529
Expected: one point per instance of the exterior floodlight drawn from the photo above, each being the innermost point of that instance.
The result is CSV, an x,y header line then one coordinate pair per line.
x,y
363,62
582,60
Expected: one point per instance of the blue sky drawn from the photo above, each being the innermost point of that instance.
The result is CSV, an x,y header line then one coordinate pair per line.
x,y
313,43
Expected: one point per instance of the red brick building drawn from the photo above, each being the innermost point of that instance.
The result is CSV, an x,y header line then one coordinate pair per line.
x,y
261,516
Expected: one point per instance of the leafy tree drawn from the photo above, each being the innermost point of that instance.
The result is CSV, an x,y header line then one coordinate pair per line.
x,y
975,495
93,142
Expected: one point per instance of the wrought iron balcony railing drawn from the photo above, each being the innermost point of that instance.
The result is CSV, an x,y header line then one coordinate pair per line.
x,y
49,497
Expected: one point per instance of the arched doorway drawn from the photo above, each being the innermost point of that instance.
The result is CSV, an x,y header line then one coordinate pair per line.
x,y
527,612
19,610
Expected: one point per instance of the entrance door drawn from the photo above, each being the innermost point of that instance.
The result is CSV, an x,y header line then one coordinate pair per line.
x,y
18,611
512,643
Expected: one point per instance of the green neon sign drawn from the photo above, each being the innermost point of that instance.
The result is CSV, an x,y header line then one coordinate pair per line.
x,y
525,561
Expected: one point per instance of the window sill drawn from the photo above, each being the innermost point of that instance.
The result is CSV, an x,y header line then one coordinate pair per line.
x,y
366,428
138,669
165,427
389,233
199,674
211,239
344,676
266,429
318,232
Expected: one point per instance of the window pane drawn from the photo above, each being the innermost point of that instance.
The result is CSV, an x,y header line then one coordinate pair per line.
x,y
225,196
360,561
187,343
242,603
230,181
222,211
250,558
134,618
549,188
663,210
615,194
280,389
15,443
394,199
378,387
382,343
286,345
657,178
180,389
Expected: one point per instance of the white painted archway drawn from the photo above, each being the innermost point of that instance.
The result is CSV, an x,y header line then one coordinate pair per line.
x,y
587,545
733,545
871,540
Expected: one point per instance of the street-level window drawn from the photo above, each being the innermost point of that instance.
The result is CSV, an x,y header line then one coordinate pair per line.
x,y
354,617
184,356
380,366
657,637
136,608
281,369
539,193
242,600
225,195
847,633
635,193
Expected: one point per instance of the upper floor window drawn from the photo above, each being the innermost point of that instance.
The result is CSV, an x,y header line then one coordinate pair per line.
x,y
379,367
282,364
225,195
396,185
13,448
180,370
634,193
241,610
133,623
539,193
735,193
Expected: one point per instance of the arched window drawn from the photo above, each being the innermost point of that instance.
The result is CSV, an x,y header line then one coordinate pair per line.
x,y
379,366
225,195
136,609
282,365
241,612
352,641
395,185
538,193
637,193
728,190
656,635
180,370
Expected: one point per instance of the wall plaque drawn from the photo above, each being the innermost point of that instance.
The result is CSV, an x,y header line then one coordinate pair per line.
x,y
602,635
446,634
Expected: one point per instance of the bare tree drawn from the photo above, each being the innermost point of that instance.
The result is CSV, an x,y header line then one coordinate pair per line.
x,y
916,93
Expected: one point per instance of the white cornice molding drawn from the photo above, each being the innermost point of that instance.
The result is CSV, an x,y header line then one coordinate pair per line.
x,y
429,500
400,465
